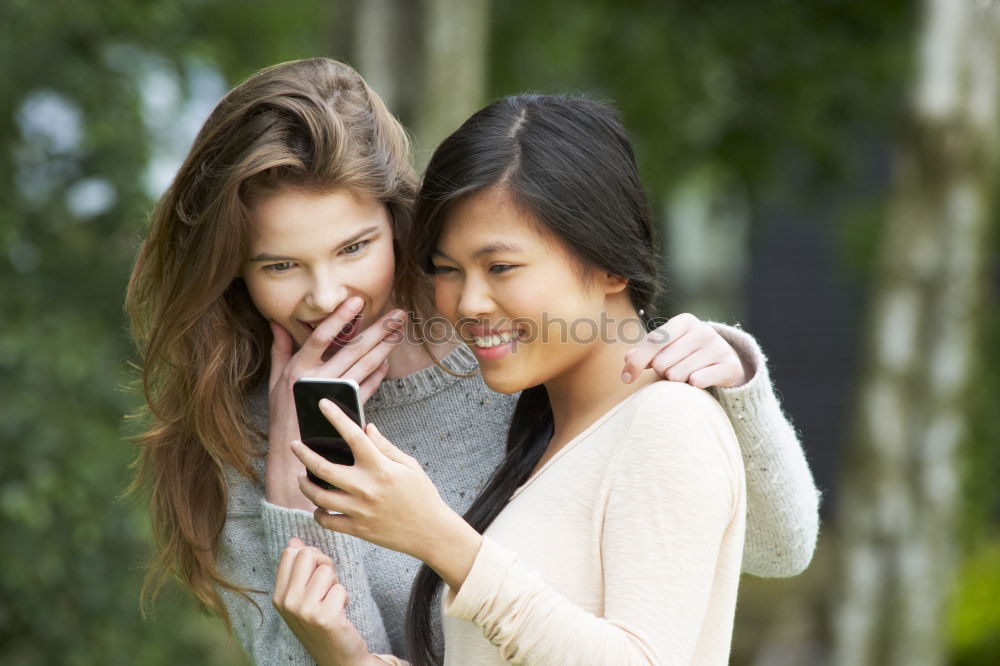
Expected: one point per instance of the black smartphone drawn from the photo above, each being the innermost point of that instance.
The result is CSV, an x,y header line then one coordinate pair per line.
x,y
319,434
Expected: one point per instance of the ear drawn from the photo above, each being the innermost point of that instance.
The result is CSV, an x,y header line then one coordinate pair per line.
x,y
613,284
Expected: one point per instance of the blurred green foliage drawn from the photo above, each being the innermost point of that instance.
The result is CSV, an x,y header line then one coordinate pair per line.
x,y
74,148
761,89
975,617
781,95
975,620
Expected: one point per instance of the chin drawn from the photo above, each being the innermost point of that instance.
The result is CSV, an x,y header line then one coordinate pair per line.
x,y
505,385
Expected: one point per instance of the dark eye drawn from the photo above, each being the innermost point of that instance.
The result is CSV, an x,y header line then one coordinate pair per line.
x,y
501,268
441,270
280,267
354,248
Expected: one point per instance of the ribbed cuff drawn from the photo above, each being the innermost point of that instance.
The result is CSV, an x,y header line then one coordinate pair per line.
x,y
281,524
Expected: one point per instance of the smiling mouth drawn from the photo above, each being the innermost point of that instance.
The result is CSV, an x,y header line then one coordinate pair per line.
x,y
496,339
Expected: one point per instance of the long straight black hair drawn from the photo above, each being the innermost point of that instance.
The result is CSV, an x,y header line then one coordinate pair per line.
x,y
568,162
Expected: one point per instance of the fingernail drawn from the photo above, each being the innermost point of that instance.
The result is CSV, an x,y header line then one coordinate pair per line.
x,y
626,377
355,303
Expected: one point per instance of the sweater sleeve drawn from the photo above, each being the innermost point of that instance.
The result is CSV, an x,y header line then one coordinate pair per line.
x,y
668,511
252,540
280,524
782,499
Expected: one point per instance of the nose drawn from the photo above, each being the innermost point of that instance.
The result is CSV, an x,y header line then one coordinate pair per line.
x,y
475,300
326,291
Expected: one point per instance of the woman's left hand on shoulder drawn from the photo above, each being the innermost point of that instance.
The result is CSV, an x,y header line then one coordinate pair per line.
x,y
686,349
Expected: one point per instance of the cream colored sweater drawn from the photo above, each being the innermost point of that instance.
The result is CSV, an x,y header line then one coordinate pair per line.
x,y
624,548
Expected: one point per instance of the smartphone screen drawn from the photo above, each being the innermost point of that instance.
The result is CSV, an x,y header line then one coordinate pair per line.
x,y
319,434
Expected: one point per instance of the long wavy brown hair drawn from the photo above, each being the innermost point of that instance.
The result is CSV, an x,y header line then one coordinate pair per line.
x,y
312,124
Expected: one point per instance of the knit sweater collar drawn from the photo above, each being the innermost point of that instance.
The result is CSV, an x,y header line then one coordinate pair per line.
x,y
424,383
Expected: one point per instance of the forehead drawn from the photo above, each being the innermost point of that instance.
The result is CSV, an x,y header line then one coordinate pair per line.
x,y
493,219
293,211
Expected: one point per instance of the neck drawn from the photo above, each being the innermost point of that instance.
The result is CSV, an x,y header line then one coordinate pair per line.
x,y
409,356
582,395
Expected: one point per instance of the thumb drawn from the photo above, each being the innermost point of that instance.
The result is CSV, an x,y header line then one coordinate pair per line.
x,y
387,448
296,542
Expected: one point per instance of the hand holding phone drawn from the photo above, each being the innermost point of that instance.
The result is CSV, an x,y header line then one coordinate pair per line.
x,y
316,432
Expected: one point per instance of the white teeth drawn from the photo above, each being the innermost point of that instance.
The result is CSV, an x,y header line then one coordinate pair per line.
x,y
489,341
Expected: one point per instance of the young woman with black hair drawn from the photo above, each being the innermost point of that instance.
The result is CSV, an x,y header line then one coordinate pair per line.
x,y
613,530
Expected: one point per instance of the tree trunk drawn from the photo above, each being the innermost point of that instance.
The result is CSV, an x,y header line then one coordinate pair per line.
x,y
456,43
901,491
387,36
708,250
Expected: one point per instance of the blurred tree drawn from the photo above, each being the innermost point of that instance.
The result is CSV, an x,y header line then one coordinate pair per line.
x,y
774,95
455,38
386,52
427,59
902,494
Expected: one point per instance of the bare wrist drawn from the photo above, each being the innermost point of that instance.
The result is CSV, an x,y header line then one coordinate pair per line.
x,y
281,486
454,553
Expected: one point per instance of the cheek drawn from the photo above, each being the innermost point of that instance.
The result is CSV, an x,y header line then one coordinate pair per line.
x,y
258,295
270,300
382,271
446,298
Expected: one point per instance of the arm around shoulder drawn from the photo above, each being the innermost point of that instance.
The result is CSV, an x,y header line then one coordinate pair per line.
x,y
782,499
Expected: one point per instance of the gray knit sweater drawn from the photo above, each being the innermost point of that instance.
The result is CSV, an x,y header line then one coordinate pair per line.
x,y
456,427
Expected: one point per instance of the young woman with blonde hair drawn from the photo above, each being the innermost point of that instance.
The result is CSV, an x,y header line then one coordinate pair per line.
x,y
274,255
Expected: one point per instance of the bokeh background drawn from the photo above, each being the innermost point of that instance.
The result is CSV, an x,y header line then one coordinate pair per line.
x,y
823,172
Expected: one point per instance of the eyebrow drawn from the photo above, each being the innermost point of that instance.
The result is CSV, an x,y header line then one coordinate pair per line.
x,y
491,248
266,256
